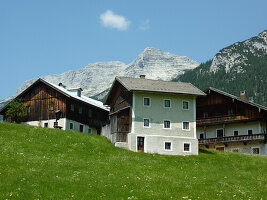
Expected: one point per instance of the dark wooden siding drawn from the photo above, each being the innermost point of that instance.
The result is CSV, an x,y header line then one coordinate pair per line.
x,y
39,102
98,116
120,112
225,109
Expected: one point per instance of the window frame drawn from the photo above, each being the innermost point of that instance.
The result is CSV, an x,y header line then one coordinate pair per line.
x,y
184,101
50,108
164,106
189,146
80,111
144,101
170,146
72,106
235,131
188,126
71,123
144,122
165,120
217,132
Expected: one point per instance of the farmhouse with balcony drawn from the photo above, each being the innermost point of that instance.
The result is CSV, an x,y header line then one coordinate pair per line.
x,y
153,116
229,123
55,106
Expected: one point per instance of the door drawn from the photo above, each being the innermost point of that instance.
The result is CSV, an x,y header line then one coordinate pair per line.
x,y
140,144
219,132
81,128
220,148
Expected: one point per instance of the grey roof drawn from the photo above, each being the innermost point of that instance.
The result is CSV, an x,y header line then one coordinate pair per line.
x,y
236,98
149,85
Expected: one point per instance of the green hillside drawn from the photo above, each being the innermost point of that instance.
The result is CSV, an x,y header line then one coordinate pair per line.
x,y
39,163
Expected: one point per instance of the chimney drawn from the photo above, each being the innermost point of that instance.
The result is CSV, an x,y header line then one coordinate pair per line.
x,y
142,76
243,95
76,91
61,85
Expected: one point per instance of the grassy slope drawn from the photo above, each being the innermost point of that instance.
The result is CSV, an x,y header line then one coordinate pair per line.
x,y
38,163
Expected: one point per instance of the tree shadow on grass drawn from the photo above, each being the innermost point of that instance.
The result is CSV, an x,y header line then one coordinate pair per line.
x,y
205,151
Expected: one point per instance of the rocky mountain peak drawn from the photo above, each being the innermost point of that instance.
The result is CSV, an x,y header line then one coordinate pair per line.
x,y
96,78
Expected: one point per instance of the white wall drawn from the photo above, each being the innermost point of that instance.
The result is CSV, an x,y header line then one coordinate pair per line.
x,y
156,135
229,129
64,123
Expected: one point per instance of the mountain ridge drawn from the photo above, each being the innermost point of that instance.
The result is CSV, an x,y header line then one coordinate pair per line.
x,y
97,77
237,67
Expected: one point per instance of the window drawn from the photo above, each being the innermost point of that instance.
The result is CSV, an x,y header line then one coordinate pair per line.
x,y
146,123
72,107
167,124
205,114
71,126
36,91
90,113
256,150
201,136
185,125
28,109
146,101
167,103
51,106
168,146
80,110
218,114
186,146
81,128
47,90
89,130
185,105
230,112
235,133
219,132
45,125
250,132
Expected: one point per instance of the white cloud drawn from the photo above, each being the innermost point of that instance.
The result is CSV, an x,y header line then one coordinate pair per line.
x,y
144,25
110,19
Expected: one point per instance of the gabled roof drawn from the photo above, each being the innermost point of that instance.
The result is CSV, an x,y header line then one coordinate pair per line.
x,y
149,85
65,92
236,98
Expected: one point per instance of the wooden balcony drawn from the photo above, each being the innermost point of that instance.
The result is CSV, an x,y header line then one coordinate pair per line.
x,y
229,139
221,120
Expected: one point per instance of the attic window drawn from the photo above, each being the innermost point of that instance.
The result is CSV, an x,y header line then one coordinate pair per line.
x,y
80,110
36,91
90,113
72,107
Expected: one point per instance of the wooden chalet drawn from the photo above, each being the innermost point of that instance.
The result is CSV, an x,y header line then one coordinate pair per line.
x,y
230,123
44,101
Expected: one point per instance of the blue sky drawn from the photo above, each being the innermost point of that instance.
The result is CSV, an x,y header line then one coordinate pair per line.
x,y
53,36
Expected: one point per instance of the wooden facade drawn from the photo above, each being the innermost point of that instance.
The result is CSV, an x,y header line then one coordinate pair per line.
x,y
120,112
220,109
42,100
217,108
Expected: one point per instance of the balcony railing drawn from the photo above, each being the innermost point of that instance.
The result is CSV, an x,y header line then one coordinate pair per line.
x,y
228,139
221,119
